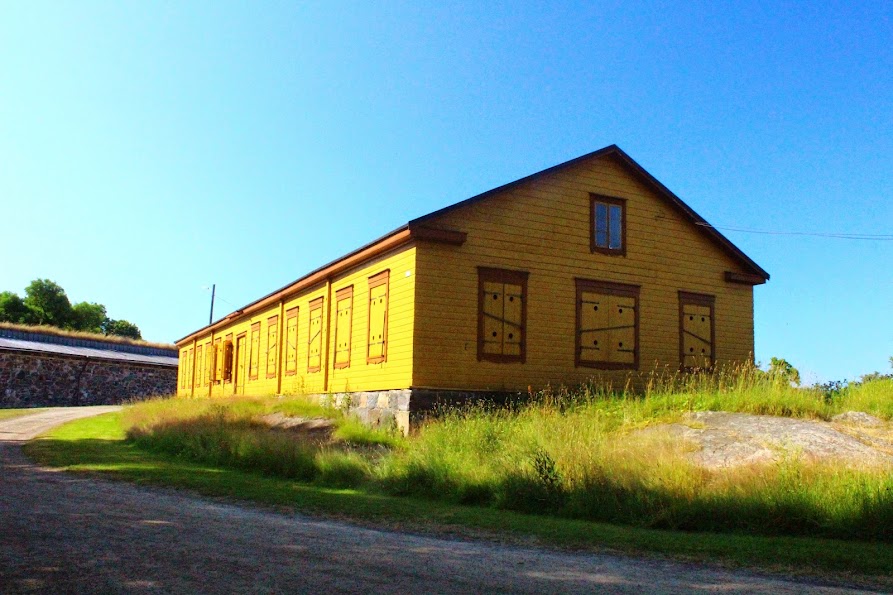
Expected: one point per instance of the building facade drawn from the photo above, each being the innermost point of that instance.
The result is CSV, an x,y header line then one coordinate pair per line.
x,y
591,268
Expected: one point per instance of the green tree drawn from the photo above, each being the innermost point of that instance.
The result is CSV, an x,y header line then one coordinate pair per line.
x,y
89,317
13,308
48,303
781,368
122,328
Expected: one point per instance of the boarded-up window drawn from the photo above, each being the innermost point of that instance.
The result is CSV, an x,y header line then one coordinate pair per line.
x,y
209,362
184,363
218,361
199,366
377,340
272,345
190,371
254,356
502,315
291,342
607,325
696,331
228,359
343,326
314,336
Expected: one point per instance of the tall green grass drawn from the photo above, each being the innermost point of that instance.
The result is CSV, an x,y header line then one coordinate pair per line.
x,y
232,433
565,453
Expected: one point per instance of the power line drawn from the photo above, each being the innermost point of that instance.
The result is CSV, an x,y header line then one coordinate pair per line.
x,y
838,236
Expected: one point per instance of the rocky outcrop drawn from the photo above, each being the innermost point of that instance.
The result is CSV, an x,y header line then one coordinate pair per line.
x,y
722,440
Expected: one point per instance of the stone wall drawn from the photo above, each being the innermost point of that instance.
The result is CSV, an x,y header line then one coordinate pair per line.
x,y
53,380
406,408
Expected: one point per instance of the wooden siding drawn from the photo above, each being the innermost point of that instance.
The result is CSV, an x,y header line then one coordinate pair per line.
x,y
395,372
543,227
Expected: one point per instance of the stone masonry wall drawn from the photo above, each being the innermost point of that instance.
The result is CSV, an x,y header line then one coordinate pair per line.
x,y
406,408
50,380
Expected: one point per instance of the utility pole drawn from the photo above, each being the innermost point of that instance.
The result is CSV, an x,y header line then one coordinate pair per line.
x,y
213,291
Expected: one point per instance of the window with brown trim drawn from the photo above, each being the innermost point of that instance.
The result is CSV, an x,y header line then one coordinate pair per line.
x,y
607,334
199,366
314,336
209,363
377,333
291,342
190,372
343,326
272,345
228,358
184,362
607,225
218,360
254,352
502,315
697,334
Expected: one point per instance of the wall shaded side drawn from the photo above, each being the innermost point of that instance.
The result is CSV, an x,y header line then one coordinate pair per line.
x,y
542,228
47,380
393,373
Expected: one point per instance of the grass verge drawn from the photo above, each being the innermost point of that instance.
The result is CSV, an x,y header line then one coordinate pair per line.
x,y
97,445
11,413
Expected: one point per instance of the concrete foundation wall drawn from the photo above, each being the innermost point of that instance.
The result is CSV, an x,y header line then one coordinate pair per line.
x,y
50,380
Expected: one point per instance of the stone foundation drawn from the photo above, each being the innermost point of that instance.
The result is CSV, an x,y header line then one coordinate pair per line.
x,y
55,380
405,408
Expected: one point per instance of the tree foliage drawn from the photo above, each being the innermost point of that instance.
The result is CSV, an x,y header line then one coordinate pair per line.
x,y
122,328
46,302
781,368
90,317
13,308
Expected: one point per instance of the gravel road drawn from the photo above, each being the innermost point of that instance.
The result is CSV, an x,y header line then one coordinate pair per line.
x,y
62,533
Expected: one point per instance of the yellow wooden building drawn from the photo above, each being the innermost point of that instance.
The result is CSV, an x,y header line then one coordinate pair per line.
x,y
591,268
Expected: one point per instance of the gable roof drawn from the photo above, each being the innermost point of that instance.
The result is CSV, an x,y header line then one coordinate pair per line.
x,y
418,229
639,172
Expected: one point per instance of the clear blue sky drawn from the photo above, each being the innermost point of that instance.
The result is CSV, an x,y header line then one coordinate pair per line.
x,y
148,150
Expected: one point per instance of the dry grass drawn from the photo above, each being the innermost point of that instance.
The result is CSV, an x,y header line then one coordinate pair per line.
x,y
567,453
60,332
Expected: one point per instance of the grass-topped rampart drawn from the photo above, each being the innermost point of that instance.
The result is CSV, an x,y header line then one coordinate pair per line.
x,y
570,454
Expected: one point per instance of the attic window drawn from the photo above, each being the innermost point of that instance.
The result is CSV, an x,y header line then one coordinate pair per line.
x,y
607,225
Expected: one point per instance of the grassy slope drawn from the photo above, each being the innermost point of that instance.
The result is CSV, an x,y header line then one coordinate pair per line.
x,y
10,413
96,445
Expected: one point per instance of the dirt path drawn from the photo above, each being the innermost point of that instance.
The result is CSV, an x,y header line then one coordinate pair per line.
x,y
62,533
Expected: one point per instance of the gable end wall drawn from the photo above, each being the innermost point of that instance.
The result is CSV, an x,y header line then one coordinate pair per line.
x,y
542,227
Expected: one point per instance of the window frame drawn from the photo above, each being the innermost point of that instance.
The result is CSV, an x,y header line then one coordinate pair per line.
x,y
228,350
190,381
218,360
289,314
209,363
696,299
375,281
254,372
605,288
594,199
497,275
272,324
184,361
345,293
199,365
315,304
